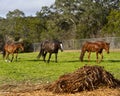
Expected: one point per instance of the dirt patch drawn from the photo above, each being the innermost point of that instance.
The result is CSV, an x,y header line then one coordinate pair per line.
x,y
41,92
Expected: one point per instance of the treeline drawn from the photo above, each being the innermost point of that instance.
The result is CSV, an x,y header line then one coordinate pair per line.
x,y
65,19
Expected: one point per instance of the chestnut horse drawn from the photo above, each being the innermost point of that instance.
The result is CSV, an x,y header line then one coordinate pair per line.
x,y
50,47
97,47
12,48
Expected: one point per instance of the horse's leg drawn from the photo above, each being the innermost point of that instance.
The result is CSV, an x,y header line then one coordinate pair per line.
x,y
44,56
12,57
97,57
56,57
49,57
7,57
16,56
101,56
89,56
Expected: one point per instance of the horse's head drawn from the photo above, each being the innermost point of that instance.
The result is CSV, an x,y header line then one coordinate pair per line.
x,y
107,46
21,46
61,46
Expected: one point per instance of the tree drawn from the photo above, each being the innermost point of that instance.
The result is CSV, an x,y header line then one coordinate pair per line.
x,y
65,19
92,20
16,13
61,15
112,28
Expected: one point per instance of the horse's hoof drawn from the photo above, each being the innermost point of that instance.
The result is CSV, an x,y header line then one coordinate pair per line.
x,y
6,60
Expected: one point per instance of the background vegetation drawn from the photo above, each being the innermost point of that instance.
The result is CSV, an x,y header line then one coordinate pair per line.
x,y
65,19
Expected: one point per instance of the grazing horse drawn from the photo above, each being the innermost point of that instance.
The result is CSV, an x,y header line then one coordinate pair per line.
x,y
50,47
12,48
97,47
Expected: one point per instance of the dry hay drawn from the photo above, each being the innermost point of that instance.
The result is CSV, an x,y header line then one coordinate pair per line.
x,y
84,79
98,92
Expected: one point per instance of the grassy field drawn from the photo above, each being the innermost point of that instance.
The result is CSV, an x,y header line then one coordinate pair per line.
x,y
29,69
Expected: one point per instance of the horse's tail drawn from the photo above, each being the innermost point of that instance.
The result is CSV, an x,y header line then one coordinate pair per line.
x,y
4,53
82,52
82,55
40,53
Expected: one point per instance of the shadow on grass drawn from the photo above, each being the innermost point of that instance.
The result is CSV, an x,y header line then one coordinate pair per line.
x,y
102,61
40,60
36,60
112,60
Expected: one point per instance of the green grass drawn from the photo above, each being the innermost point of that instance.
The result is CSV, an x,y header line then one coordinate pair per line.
x,y
28,68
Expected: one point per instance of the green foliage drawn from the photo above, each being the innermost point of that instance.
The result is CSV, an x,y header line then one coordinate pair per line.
x,y
15,14
28,68
112,27
65,19
92,19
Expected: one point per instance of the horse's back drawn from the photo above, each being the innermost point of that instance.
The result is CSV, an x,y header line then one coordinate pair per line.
x,y
13,47
91,46
103,43
9,48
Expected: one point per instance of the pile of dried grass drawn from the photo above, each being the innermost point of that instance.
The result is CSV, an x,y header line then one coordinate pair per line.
x,y
85,78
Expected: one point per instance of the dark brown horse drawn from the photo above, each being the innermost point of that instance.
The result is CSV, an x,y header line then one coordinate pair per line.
x,y
12,48
50,47
97,47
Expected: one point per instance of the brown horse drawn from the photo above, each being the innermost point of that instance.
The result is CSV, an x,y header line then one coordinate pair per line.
x,y
12,48
50,47
97,47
